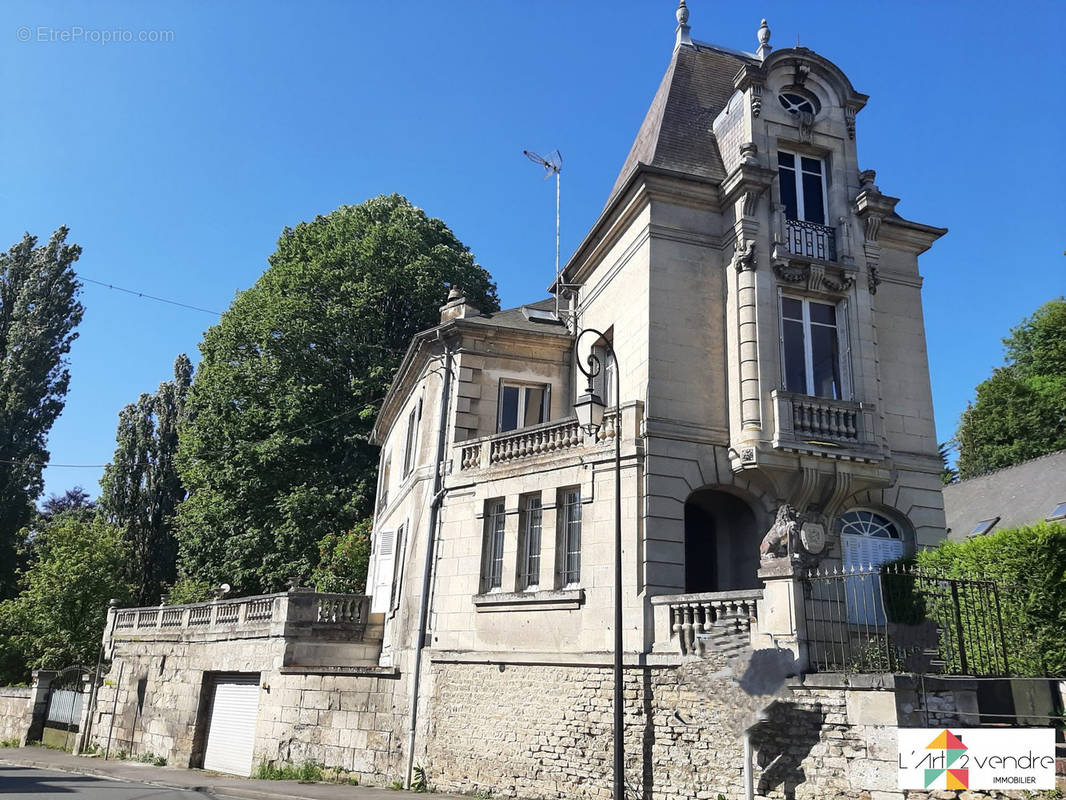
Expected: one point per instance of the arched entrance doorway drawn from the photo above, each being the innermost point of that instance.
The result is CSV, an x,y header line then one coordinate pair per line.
x,y
721,543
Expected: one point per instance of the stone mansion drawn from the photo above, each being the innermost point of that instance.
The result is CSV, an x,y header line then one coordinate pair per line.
x,y
762,299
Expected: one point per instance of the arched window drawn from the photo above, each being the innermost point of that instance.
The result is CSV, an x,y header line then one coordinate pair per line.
x,y
868,539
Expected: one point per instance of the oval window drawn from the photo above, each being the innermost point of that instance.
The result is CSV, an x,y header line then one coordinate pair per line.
x,y
795,103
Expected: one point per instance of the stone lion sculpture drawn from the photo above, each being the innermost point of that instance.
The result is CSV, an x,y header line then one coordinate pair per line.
x,y
782,537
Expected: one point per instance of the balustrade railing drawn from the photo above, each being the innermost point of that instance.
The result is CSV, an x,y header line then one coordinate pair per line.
x,y
810,240
304,607
804,418
537,440
699,623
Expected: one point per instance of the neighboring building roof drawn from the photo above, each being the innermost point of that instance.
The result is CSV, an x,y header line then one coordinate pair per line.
x,y
520,320
1020,495
675,132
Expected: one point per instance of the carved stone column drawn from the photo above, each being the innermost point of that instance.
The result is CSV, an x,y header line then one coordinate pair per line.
x,y
748,336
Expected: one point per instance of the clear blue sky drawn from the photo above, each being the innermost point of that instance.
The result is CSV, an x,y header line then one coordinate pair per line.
x,y
176,164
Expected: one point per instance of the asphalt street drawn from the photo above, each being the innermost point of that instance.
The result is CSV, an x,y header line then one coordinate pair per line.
x,y
41,784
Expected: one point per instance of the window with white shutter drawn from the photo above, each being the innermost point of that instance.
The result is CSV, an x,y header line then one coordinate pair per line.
x,y
384,561
867,541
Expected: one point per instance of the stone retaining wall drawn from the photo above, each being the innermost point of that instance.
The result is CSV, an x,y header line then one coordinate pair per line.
x,y
545,731
14,712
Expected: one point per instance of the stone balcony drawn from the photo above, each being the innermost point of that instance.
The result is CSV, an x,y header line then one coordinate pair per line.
x,y
308,629
825,426
549,441
705,622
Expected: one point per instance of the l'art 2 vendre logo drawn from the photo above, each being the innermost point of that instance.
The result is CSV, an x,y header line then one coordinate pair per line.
x,y
976,758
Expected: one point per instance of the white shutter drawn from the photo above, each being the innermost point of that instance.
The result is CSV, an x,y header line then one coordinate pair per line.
x,y
231,730
383,569
863,593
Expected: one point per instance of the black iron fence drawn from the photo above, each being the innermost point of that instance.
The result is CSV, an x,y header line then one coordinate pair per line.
x,y
902,619
810,240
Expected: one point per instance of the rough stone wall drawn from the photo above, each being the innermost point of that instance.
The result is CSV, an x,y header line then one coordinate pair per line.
x,y
544,731
350,722
14,711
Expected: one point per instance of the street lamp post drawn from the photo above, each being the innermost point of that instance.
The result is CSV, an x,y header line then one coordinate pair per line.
x,y
589,408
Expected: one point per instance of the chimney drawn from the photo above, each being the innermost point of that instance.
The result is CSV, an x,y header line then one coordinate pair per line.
x,y
457,307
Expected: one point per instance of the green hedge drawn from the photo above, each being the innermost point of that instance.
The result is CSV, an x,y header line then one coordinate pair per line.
x,y
1033,559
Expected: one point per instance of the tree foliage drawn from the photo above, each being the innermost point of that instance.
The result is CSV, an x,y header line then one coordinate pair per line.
x,y
1020,411
343,561
57,618
72,501
1031,558
142,488
39,311
276,453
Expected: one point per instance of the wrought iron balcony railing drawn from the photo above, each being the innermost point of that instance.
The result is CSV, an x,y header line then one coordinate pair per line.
x,y
810,240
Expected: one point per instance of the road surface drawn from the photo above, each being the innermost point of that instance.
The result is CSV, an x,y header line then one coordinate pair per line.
x,y
42,784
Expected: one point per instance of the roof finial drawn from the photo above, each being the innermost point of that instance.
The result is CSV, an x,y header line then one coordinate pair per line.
x,y
682,26
764,41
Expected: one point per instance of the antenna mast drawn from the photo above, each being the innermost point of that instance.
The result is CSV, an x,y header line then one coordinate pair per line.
x,y
553,165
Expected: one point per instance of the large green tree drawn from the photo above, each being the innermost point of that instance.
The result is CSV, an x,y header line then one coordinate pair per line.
x,y
276,453
58,616
1020,411
142,488
39,311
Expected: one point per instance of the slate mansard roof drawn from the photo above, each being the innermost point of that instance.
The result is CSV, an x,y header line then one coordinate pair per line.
x,y
1024,494
674,135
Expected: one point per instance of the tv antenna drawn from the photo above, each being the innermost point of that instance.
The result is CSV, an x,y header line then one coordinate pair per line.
x,y
553,165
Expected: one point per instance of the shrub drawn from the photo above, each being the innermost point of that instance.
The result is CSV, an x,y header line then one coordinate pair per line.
x,y
1031,558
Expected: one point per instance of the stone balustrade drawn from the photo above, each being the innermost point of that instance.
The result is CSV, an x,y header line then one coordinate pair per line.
x,y
249,615
695,624
548,438
814,420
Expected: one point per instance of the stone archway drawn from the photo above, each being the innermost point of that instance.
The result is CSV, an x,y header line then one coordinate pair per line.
x,y
721,543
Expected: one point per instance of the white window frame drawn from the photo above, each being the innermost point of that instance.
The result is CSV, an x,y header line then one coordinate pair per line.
x,y
383,480
801,211
568,531
522,387
531,541
411,442
843,341
397,567
495,540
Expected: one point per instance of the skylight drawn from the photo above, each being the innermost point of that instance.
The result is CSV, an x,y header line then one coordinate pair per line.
x,y
1058,513
984,526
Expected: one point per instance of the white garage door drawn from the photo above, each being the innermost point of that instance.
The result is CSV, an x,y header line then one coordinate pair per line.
x,y
231,726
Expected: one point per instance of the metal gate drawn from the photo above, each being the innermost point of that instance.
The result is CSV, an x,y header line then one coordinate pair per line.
x,y
66,698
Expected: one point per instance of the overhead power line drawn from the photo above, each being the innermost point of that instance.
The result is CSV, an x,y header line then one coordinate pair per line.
x,y
146,296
